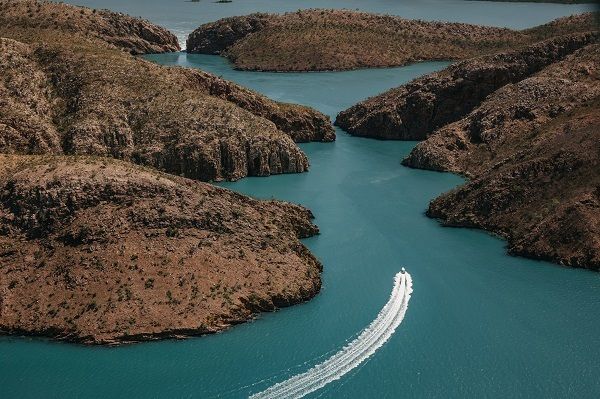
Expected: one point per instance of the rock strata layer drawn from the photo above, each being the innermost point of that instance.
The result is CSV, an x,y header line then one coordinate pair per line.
x,y
69,93
532,151
101,251
415,110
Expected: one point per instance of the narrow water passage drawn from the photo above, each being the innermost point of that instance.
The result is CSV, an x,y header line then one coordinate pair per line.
x,y
481,324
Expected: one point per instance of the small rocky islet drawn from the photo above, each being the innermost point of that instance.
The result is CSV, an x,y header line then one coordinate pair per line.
x,y
109,233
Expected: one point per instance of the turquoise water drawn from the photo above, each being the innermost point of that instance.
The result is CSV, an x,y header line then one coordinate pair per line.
x,y
479,324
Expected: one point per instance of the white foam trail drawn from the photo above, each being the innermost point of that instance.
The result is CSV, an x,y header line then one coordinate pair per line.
x,y
360,349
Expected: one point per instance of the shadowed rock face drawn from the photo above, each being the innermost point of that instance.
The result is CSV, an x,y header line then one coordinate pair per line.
x,y
215,37
70,92
110,104
135,35
104,252
417,109
317,40
532,150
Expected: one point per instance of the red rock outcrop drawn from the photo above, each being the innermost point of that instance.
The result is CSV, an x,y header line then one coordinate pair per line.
x,y
100,251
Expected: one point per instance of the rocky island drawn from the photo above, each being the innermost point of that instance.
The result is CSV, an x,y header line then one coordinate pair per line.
x,y
523,126
100,251
532,150
319,40
97,243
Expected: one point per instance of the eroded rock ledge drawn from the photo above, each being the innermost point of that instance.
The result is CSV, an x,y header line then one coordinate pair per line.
x,y
69,92
318,40
415,110
100,251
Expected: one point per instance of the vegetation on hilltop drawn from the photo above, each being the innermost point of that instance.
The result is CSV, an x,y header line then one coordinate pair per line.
x,y
97,250
136,35
100,251
91,98
313,40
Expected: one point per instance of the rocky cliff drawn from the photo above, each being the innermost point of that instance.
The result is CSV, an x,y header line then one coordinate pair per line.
x,y
302,123
110,104
216,37
532,151
75,94
316,40
135,35
415,110
101,251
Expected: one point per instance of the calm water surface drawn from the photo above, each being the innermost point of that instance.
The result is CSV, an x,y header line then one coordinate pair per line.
x,y
479,324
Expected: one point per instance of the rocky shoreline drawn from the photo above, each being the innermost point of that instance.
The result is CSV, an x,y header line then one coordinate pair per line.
x,y
98,245
334,40
97,100
415,110
532,151
99,251
523,126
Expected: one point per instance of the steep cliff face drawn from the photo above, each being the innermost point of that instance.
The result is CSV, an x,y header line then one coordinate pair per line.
x,y
110,104
135,35
532,150
316,40
511,118
26,103
70,92
100,251
545,199
415,110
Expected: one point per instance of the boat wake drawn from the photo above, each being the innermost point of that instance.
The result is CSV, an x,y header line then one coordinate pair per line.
x,y
352,355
